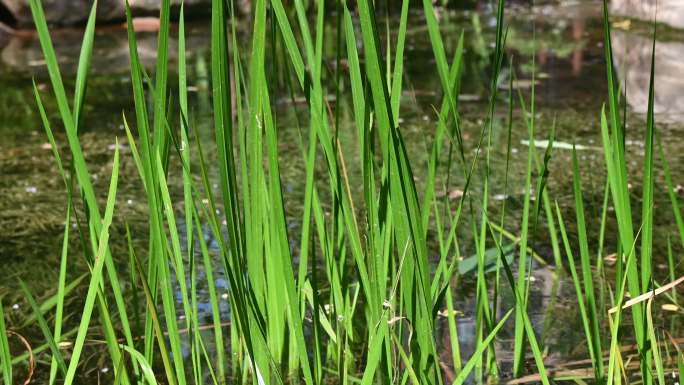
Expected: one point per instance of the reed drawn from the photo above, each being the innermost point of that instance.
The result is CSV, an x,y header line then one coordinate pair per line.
x,y
363,302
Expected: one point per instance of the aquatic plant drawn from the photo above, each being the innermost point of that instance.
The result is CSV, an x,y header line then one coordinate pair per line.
x,y
363,301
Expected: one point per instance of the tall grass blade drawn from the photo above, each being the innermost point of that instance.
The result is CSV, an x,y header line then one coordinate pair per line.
x,y
519,297
96,274
5,355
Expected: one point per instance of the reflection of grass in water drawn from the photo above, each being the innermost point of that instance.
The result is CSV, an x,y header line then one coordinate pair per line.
x,y
378,255
554,39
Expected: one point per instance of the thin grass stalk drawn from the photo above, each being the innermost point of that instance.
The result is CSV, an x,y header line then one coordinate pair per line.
x,y
5,355
188,198
145,367
594,355
42,323
59,312
647,226
96,274
146,168
657,358
519,297
587,276
521,309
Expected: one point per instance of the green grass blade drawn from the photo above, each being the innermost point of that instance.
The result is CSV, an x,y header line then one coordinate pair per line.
x,y
154,319
52,342
587,276
442,65
147,371
84,63
657,360
61,288
647,208
96,274
594,355
463,375
5,355
519,297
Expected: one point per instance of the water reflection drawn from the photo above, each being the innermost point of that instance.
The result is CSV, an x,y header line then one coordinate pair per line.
x,y
21,52
670,12
632,55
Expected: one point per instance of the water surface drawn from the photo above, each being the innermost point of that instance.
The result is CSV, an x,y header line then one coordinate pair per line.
x,y
562,43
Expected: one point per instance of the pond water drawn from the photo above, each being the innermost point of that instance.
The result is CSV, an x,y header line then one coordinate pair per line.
x,y
565,40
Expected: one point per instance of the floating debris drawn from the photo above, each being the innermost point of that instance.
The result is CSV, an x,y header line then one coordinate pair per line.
x,y
519,84
445,313
455,194
469,98
624,24
558,145
36,63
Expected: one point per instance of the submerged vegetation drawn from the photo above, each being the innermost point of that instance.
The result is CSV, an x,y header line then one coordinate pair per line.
x,y
356,293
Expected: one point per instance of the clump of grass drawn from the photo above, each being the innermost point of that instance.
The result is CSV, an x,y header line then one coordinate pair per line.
x,y
362,260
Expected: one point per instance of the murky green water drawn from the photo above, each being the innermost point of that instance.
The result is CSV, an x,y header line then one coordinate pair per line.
x,y
565,41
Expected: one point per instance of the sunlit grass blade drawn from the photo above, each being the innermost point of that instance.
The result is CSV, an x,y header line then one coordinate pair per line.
x,y
156,324
84,64
56,354
80,167
647,206
61,288
5,355
442,67
453,333
147,371
147,169
463,375
96,273
615,357
594,355
587,276
657,360
519,296
521,309
166,280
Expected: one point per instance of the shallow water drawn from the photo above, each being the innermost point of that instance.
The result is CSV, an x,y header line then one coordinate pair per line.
x,y
563,42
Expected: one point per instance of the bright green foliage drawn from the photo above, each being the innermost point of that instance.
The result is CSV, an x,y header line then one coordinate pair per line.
x,y
5,349
363,305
